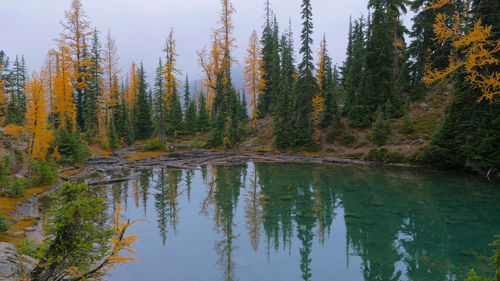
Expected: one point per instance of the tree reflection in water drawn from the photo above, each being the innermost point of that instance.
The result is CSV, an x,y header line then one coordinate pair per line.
x,y
403,225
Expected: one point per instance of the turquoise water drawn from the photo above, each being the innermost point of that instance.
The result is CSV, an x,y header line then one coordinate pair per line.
x,y
308,222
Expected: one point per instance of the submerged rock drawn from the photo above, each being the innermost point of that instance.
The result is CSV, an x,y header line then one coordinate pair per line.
x,y
13,265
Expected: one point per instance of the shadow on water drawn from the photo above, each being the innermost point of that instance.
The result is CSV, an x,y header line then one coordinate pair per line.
x,y
308,222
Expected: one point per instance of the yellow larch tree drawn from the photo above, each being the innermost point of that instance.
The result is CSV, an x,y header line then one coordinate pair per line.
x,y
473,52
170,71
64,105
318,106
210,62
49,70
76,28
318,100
132,86
321,74
254,83
37,126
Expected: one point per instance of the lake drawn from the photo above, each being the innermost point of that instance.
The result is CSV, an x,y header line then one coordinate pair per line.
x,y
275,221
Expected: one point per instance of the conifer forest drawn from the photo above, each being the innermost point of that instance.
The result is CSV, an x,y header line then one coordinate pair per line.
x,y
273,148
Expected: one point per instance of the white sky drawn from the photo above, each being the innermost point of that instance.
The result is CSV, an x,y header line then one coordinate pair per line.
x,y
140,27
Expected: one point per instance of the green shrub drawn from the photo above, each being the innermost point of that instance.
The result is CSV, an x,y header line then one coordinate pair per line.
x,y
4,225
333,133
30,248
358,155
15,188
359,117
71,147
43,173
407,127
496,262
379,131
5,165
196,144
383,155
376,155
153,145
19,155
347,138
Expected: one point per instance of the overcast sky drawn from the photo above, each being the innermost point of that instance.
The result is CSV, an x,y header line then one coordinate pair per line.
x,y
140,27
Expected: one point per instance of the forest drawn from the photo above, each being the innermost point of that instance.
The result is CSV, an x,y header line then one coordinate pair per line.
x,y
425,95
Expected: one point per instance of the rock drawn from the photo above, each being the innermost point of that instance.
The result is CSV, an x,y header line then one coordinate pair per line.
x,y
30,229
423,105
18,233
13,265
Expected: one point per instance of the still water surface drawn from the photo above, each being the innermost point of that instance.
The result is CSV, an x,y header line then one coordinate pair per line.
x,y
307,222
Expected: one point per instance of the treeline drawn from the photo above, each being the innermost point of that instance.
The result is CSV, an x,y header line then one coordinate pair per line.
x,y
85,93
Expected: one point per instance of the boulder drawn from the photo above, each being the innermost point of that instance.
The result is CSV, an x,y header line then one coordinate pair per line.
x,y
13,265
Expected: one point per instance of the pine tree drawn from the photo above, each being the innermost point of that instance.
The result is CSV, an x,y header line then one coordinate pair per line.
x,y
16,108
190,125
123,123
282,121
378,134
306,84
143,125
160,103
176,123
94,89
203,117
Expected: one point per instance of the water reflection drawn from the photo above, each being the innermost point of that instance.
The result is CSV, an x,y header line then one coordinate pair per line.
x,y
397,224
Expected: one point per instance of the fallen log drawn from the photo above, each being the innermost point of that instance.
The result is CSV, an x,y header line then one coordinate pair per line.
x,y
110,181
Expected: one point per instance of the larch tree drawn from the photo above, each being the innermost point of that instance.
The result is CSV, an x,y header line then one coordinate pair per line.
x,y
76,28
254,83
474,51
37,126
64,105
170,71
132,87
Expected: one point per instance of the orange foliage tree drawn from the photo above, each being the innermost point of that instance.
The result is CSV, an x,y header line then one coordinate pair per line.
x,y
37,126
132,86
170,72
63,102
473,52
254,83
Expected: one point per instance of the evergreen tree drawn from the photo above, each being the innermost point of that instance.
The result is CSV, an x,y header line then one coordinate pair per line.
x,y
143,125
94,89
203,117
123,124
16,108
282,121
176,123
187,94
269,47
191,120
379,136
306,85
159,104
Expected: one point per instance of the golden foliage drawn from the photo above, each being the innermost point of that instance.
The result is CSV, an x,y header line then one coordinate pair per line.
x,y
36,118
109,100
254,83
120,242
132,86
473,52
63,104
75,29
214,61
169,69
13,130
318,105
